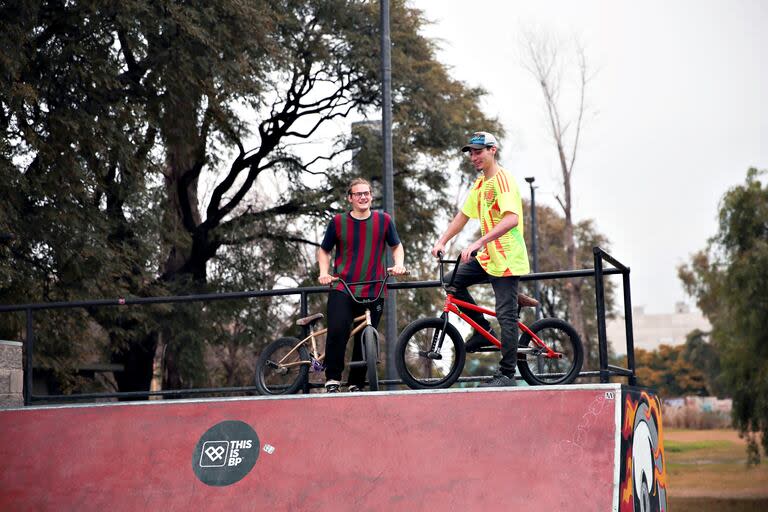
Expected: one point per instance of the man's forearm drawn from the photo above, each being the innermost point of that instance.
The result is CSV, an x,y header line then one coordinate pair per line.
x,y
454,228
323,261
398,255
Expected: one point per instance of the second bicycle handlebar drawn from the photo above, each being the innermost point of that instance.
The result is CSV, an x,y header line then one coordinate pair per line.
x,y
346,285
455,262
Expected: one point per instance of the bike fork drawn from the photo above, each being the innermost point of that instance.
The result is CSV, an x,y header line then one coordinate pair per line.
x,y
437,341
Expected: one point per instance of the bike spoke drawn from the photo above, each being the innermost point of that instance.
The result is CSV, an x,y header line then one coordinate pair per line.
x,y
419,364
552,368
277,376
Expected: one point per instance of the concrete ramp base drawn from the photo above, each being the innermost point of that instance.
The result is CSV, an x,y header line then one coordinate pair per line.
x,y
574,448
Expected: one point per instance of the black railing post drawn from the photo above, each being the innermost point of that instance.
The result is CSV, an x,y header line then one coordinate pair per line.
x,y
28,361
304,303
629,328
304,311
602,342
536,284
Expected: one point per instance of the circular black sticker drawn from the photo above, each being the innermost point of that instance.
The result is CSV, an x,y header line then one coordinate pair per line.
x,y
225,453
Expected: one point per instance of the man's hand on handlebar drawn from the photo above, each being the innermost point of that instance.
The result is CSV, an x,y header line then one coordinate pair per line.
x,y
438,250
326,279
471,250
397,270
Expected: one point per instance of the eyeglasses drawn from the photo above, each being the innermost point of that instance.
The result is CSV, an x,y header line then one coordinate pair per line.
x,y
358,195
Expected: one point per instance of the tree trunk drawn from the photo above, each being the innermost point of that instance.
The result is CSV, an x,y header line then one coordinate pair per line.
x,y
573,286
182,217
543,61
137,361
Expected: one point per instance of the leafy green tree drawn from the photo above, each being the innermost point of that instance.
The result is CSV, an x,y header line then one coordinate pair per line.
x,y
703,355
729,280
143,141
669,372
689,369
75,168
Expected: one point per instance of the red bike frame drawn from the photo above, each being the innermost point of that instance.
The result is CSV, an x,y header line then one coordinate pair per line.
x,y
452,305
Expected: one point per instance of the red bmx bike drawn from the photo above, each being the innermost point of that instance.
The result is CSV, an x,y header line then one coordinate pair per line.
x,y
430,352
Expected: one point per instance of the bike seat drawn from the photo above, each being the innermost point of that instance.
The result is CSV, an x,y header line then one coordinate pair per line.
x,y
309,319
524,301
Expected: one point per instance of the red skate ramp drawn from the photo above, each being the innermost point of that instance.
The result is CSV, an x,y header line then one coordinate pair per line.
x,y
574,448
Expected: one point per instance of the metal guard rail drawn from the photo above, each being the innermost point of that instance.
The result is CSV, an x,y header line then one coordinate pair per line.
x,y
605,371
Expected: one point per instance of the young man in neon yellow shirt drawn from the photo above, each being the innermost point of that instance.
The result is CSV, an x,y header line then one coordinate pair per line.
x,y
501,254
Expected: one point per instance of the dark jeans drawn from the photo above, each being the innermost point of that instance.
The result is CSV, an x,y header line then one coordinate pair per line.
x,y
342,310
505,289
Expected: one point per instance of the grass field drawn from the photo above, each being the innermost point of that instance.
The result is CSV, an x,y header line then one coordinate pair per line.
x,y
717,504
707,471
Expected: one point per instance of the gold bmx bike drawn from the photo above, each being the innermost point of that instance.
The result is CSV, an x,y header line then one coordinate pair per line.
x,y
283,366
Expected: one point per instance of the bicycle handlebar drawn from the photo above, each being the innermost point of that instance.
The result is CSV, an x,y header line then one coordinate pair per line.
x,y
382,282
455,262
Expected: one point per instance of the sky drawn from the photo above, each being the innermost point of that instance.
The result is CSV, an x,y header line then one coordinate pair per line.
x,y
676,114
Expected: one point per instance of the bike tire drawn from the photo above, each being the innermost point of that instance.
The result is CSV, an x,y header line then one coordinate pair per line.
x,y
282,381
560,336
371,351
420,372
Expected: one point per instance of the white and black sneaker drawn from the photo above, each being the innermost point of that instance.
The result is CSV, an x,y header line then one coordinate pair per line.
x,y
332,386
354,388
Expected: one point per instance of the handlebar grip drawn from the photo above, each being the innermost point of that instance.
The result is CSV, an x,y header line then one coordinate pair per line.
x,y
440,255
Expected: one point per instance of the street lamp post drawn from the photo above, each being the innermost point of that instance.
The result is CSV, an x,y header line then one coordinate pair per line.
x,y
536,288
390,310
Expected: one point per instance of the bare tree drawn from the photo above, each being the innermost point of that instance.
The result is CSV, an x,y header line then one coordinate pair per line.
x,y
547,59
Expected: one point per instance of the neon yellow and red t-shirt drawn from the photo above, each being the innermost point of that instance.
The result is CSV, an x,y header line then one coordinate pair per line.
x,y
488,201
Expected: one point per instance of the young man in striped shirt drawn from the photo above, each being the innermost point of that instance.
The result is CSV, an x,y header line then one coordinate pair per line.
x,y
501,253
359,237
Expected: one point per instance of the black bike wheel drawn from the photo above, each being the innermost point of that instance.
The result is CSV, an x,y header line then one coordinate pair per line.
x,y
560,336
277,372
371,352
423,366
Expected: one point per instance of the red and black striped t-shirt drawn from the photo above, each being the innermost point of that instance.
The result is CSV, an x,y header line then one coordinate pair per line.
x,y
360,248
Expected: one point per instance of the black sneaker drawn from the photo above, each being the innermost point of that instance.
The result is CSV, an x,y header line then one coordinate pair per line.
x,y
354,388
478,342
499,380
332,386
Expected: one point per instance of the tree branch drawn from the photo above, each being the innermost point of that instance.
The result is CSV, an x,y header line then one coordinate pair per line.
x,y
582,93
269,236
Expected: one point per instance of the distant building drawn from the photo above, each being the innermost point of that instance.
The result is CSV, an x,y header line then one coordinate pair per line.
x,y
371,124
652,330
